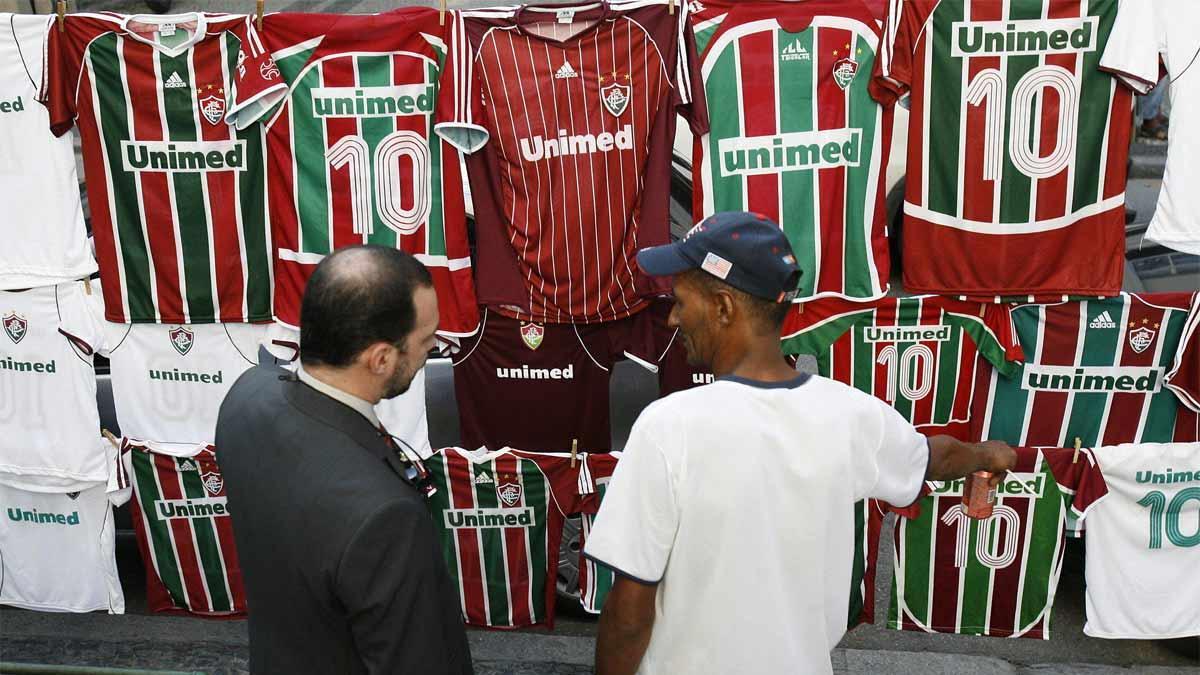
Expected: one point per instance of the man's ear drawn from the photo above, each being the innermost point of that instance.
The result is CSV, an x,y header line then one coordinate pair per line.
x,y
377,358
726,306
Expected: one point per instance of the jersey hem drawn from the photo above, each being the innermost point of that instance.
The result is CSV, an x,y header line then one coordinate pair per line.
x,y
1181,245
32,277
9,602
115,317
502,310
618,570
1147,636
1003,295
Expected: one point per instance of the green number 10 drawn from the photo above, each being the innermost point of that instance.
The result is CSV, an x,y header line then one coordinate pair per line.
x,y
1157,503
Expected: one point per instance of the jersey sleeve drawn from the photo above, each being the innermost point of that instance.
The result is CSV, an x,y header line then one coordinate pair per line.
x,y
811,327
120,483
258,85
991,327
1184,378
689,79
1132,52
892,456
460,94
78,320
640,515
902,31
1079,478
62,65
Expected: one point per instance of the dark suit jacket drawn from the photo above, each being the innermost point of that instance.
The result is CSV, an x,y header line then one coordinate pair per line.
x,y
340,558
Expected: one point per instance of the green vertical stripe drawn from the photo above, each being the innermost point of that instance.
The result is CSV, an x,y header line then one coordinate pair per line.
x,y
1015,198
857,600
1101,347
181,109
945,101
208,546
1039,581
435,229
115,126
157,530
311,168
252,193
864,115
1010,398
947,355
492,541
908,313
918,556
438,504
537,495
862,359
976,582
798,88
722,85
1164,406
376,71
1095,106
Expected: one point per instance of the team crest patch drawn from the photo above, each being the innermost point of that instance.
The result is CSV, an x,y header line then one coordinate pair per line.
x,y
269,70
1140,339
532,334
844,71
509,493
213,105
182,340
616,95
15,327
212,482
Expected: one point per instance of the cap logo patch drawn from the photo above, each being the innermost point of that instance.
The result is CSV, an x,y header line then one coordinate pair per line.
x,y
716,265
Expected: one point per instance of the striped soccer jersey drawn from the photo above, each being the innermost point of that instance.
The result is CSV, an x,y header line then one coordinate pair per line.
x,y
1184,378
795,134
595,580
1017,146
352,152
1094,370
574,108
184,531
177,195
499,517
919,354
995,576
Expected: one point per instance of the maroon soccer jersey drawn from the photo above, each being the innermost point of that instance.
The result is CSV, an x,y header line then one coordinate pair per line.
x,y
647,340
574,109
534,386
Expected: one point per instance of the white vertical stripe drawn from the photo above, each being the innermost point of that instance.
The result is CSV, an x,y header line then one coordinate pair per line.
x,y
818,240
108,183
1080,339
137,183
177,233
1037,359
550,190
208,211
226,80
591,165
562,173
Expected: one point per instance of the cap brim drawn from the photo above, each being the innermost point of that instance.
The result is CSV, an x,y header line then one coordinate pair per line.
x,y
664,261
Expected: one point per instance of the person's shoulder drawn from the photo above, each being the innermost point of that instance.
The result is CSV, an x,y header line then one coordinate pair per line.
x,y
257,379
835,392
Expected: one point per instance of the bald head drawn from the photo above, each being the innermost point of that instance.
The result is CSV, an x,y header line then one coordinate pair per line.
x,y
357,297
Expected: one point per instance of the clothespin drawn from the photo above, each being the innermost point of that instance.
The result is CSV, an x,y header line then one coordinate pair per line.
x,y
574,451
61,10
1078,444
259,7
800,308
982,310
671,6
441,12
108,435
87,285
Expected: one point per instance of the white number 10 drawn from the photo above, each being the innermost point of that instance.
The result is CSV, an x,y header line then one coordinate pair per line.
x,y
988,87
353,153
983,549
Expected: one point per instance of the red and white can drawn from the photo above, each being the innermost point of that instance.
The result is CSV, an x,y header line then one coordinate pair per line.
x,y
978,497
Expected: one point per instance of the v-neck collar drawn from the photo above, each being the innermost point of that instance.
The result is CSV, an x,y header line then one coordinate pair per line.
x,y
159,19
595,12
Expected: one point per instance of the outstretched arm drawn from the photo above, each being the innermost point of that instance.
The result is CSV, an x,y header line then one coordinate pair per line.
x,y
950,458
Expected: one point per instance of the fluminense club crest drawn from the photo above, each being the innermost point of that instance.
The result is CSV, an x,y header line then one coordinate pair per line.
x,y
1140,339
269,70
532,334
509,492
212,482
615,96
15,327
212,106
844,71
182,339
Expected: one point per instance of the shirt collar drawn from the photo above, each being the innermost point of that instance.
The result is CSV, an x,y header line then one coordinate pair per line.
x,y
357,404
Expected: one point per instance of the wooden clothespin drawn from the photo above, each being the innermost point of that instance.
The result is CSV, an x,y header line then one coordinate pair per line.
x,y
1078,444
61,10
259,7
87,285
108,435
574,451
441,12
982,310
671,6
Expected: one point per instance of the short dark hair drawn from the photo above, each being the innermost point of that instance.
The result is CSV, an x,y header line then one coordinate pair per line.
x,y
358,296
767,314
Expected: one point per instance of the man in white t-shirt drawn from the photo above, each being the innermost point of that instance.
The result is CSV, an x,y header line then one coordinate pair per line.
x,y
729,518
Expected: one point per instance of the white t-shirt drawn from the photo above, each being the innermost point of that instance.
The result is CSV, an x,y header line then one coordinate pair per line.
x,y
49,426
1142,33
737,499
168,381
1143,543
44,240
57,550
404,417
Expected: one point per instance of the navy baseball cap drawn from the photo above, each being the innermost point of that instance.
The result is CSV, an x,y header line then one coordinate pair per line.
x,y
745,250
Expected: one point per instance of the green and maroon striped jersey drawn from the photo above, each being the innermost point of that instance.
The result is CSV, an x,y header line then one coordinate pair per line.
x,y
1094,370
178,197
499,517
995,576
795,135
1017,146
184,531
352,151
919,354
595,580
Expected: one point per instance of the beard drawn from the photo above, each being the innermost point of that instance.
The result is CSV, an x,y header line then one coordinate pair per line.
x,y
399,383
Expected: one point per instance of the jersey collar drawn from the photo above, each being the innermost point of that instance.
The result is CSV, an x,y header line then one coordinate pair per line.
x,y
595,12
198,33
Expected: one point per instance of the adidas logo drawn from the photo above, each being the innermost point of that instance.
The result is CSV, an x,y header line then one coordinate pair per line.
x,y
174,82
795,52
483,479
565,72
188,465
1104,320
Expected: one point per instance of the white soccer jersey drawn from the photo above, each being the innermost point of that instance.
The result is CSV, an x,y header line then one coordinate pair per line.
x,y
57,549
45,241
1170,30
49,427
168,381
1143,543
404,417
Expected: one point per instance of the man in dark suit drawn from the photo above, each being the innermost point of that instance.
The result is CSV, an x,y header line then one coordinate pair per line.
x,y
342,568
